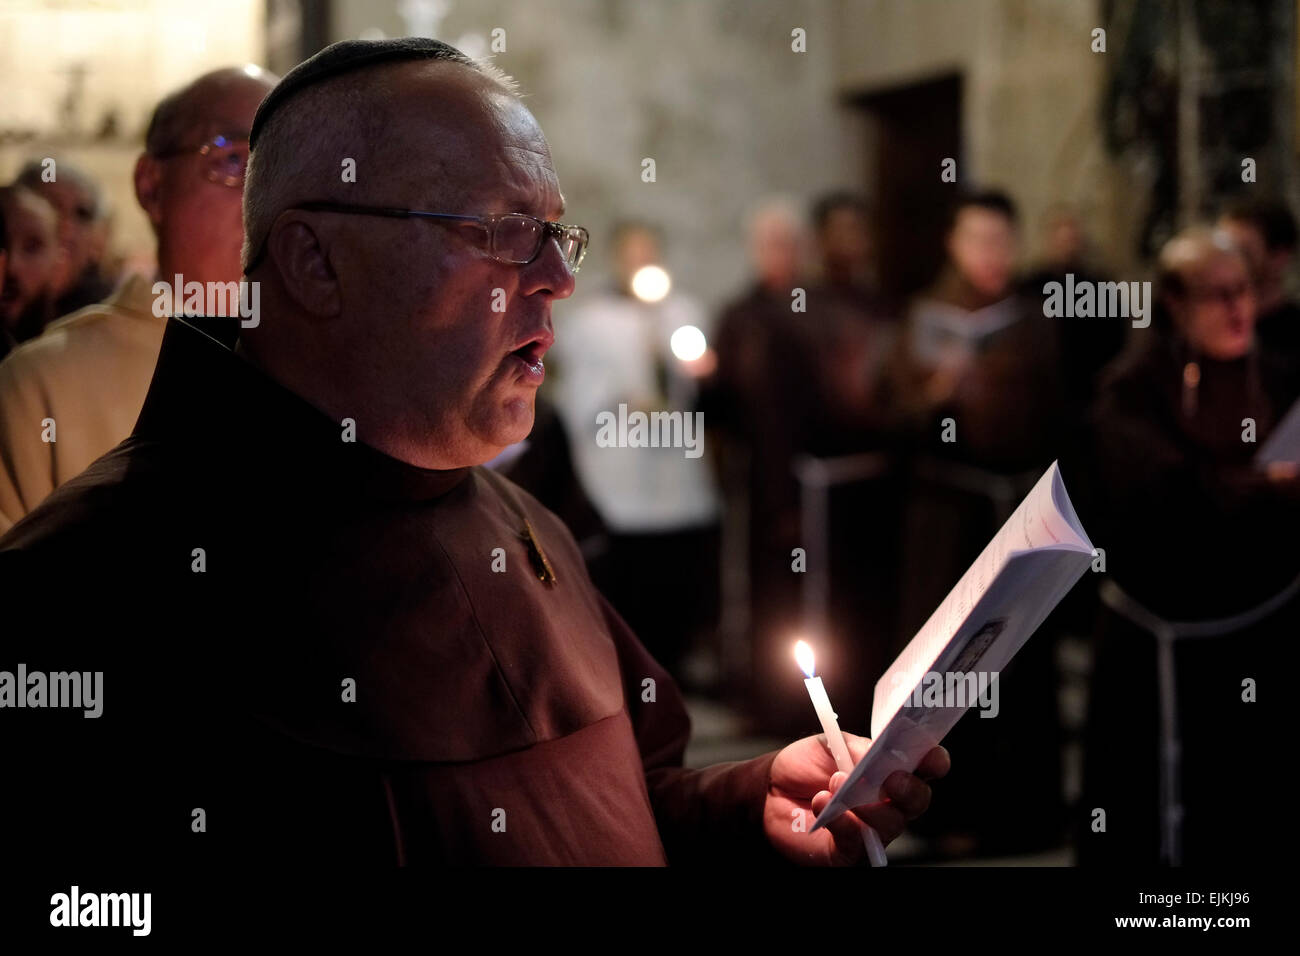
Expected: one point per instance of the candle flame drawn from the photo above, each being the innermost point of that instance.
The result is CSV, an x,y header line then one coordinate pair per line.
x,y
803,654
688,343
651,283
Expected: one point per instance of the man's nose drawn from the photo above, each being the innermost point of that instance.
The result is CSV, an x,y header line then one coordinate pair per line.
x,y
549,273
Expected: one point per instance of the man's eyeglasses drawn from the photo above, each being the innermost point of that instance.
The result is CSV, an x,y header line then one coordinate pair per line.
x,y
225,159
1227,295
511,237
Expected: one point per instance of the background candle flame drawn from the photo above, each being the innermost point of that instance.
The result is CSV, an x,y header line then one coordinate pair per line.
x,y
651,283
688,343
803,654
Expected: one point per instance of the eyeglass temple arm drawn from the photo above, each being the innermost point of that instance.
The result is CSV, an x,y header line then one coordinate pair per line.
x,y
391,212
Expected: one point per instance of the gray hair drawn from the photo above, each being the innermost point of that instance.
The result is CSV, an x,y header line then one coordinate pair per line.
x,y
302,143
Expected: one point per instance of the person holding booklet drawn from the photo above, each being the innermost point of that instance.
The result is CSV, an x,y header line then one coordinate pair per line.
x,y
1202,570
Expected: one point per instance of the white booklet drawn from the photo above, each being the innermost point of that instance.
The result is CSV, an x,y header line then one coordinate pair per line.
x,y
1284,442
1031,563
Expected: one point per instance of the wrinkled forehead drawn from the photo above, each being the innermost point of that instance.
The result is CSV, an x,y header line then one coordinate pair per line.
x,y
465,142
220,104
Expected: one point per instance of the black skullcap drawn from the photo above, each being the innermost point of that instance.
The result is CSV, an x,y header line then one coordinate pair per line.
x,y
343,57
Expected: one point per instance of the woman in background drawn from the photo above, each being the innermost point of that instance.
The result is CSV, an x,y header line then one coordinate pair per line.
x,y
1200,546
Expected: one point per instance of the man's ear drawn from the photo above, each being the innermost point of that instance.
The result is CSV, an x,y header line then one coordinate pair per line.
x,y
148,188
301,254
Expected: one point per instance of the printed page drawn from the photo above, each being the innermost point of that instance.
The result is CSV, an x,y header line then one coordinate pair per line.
x,y
1284,443
1037,523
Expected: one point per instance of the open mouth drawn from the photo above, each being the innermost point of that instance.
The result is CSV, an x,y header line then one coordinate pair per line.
x,y
530,357
531,354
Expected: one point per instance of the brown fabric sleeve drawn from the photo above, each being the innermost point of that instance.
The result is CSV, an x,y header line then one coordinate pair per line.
x,y
709,816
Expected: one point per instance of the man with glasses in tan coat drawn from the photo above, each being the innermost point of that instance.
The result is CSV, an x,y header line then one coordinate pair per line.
x,y
71,394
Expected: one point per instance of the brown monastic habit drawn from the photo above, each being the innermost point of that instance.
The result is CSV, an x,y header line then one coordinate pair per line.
x,y
307,640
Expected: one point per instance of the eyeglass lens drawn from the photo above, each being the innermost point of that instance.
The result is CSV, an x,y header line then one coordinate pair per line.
x,y
227,160
519,239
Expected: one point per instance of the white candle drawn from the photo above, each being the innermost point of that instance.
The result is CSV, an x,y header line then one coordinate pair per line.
x,y
830,726
835,740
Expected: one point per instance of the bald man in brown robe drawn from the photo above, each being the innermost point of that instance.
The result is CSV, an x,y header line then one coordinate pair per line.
x,y
323,631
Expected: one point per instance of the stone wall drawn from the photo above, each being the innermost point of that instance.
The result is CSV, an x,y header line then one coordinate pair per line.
x,y
710,89
1031,87
129,55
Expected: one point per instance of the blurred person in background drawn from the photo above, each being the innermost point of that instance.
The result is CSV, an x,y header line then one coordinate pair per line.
x,y
851,327
1086,346
660,505
977,385
753,403
841,222
799,357
777,243
83,230
850,333
33,268
90,371
1194,531
975,379
978,351
4,256
1265,231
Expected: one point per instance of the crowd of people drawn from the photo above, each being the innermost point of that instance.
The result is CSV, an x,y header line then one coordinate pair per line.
x,y
951,401
945,407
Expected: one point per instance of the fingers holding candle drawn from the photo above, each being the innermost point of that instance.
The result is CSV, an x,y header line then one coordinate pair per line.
x,y
913,795
847,845
870,833
904,797
855,839
803,654
838,746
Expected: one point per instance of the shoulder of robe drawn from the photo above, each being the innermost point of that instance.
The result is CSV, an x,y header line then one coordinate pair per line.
x,y
74,512
82,569
554,535
450,656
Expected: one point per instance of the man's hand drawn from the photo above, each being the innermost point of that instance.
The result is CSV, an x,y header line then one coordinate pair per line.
x,y
804,777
